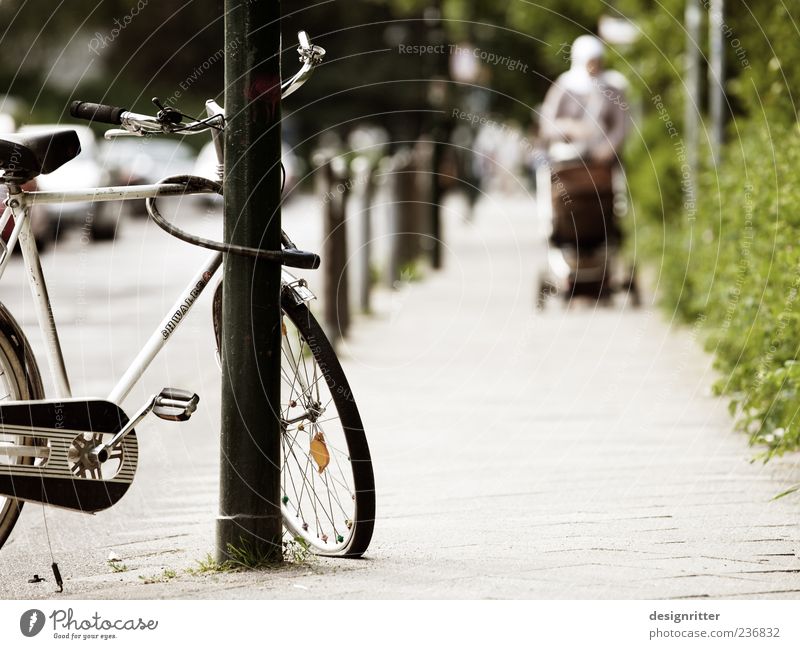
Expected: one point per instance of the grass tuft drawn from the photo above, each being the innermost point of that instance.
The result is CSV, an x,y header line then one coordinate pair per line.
x,y
164,577
245,557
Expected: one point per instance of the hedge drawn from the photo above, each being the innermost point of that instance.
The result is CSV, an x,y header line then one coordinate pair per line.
x,y
728,253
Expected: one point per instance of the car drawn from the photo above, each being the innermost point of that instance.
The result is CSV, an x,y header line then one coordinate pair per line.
x,y
43,229
206,167
144,161
82,172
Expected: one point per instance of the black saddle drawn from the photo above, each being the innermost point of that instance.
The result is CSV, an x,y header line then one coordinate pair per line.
x,y
26,155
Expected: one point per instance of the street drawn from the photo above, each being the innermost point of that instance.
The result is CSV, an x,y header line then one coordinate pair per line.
x,y
571,454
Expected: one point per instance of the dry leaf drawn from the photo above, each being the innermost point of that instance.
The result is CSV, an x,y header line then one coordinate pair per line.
x,y
319,451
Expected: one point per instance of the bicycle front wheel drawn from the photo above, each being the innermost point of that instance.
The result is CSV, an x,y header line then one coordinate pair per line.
x,y
19,381
327,483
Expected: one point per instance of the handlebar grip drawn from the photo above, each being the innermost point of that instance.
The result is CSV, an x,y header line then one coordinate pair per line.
x,y
300,259
96,112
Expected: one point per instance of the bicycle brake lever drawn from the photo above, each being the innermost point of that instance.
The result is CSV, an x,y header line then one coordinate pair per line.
x,y
111,133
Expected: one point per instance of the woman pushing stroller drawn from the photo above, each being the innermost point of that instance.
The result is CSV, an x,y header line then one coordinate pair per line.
x,y
584,121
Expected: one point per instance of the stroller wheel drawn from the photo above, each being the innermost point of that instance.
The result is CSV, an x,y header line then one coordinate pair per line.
x,y
541,299
633,290
544,290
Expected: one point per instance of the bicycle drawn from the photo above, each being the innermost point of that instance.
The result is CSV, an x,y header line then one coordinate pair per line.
x,y
80,453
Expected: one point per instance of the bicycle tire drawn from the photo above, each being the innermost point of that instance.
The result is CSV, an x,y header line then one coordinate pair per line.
x,y
19,380
358,535
352,431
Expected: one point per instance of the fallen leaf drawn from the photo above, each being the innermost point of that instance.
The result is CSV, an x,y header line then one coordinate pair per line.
x,y
319,451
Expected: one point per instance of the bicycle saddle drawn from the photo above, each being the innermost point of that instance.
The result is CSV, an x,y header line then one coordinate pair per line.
x,y
26,155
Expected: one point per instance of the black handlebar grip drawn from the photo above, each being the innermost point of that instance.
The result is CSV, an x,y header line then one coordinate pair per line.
x,y
96,112
300,259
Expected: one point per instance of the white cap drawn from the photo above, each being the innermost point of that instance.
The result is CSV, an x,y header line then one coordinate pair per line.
x,y
585,48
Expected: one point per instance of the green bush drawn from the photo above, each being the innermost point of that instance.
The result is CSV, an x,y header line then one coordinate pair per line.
x,y
728,255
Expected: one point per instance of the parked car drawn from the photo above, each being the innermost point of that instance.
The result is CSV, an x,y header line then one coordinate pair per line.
x,y
83,172
206,167
145,160
43,229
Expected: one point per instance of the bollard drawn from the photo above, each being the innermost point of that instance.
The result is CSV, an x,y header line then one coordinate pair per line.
x,y
436,199
427,190
405,232
336,300
364,171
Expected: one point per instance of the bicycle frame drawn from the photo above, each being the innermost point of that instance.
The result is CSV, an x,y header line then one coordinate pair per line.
x,y
19,204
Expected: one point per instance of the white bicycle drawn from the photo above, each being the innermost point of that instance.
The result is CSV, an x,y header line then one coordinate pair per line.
x,y
81,453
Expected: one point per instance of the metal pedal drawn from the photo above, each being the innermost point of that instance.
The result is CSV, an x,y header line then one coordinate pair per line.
x,y
174,404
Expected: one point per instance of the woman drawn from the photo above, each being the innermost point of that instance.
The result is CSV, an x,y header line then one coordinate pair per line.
x,y
585,115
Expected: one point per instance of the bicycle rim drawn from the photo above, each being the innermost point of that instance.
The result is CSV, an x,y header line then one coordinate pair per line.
x,y
328,491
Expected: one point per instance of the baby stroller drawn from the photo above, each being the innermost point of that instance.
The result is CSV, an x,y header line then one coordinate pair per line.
x,y
583,200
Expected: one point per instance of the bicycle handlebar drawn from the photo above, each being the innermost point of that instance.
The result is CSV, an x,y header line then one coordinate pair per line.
x,y
97,112
302,39
169,120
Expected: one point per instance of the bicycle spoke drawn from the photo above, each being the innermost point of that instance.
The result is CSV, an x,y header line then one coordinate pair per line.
x,y
312,495
342,482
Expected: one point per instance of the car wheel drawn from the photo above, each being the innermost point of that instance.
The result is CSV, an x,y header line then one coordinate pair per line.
x,y
104,223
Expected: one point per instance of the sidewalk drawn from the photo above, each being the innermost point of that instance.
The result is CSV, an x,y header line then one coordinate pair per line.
x,y
570,454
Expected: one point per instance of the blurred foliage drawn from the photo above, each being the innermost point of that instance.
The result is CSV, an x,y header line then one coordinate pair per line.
x,y
734,263
127,51
726,255
121,52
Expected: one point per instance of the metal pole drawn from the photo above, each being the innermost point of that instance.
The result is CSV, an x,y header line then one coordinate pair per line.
x,y
439,132
693,19
393,264
334,257
406,226
716,81
366,240
436,195
250,515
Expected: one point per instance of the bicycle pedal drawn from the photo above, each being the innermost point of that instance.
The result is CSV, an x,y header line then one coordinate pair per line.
x,y
174,404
